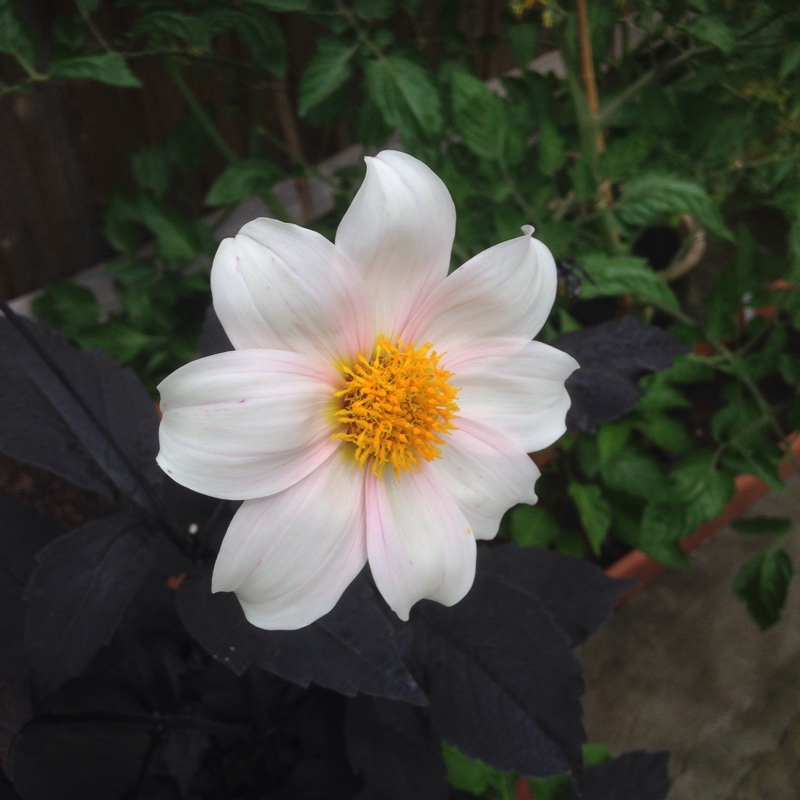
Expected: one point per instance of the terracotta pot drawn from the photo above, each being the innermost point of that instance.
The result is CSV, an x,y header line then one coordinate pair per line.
x,y
640,567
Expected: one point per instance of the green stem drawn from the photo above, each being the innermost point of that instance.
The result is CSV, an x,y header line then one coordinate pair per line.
x,y
589,130
200,113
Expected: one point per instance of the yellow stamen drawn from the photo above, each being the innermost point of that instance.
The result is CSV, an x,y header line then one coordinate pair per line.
x,y
395,407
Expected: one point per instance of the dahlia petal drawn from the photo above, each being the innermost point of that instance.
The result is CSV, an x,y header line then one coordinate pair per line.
x,y
278,286
506,291
517,389
419,542
246,423
486,474
290,557
399,232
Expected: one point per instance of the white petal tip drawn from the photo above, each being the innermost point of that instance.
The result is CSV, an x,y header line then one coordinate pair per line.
x,y
528,230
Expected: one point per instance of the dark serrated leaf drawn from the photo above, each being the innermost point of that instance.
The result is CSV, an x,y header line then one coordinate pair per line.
x,y
78,592
23,532
51,429
15,712
579,595
397,758
613,357
503,683
45,756
351,649
638,775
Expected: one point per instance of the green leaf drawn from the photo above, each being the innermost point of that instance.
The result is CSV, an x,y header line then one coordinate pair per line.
x,y
634,473
479,114
473,775
282,5
244,179
790,59
619,275
16,39
594,512
702,487
666,433
552,151
374,9
110,68
193,30
524,39
69,307
663,526
532,526
406,96
653,198
762,584
118,339
714,30
151,170
775,526
612,438
264,39
88,6
328,70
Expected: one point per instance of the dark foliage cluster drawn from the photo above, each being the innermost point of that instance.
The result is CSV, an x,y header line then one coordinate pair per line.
x,y
122,676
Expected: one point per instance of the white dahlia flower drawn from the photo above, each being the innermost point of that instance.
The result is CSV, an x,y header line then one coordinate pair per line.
x,y
375,409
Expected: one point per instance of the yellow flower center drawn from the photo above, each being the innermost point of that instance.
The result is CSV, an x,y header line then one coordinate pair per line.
x,y
396,406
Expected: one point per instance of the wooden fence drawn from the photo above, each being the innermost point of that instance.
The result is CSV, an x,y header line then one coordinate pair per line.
x,y
67,144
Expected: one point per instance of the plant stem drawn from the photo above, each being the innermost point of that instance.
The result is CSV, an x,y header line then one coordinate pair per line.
x,y
199,112
591,144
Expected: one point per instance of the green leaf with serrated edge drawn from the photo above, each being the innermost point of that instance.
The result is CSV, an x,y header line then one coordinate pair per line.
x,y
110,68
617,275
176,25
479,114
713,29
70,307
406,96
632,471
662,526
665,432
652,198
328,70
243,179
552,150
762,584
775,526
702,487
764,463
612,438
260,33
175,235
790,60
532,526
593,510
